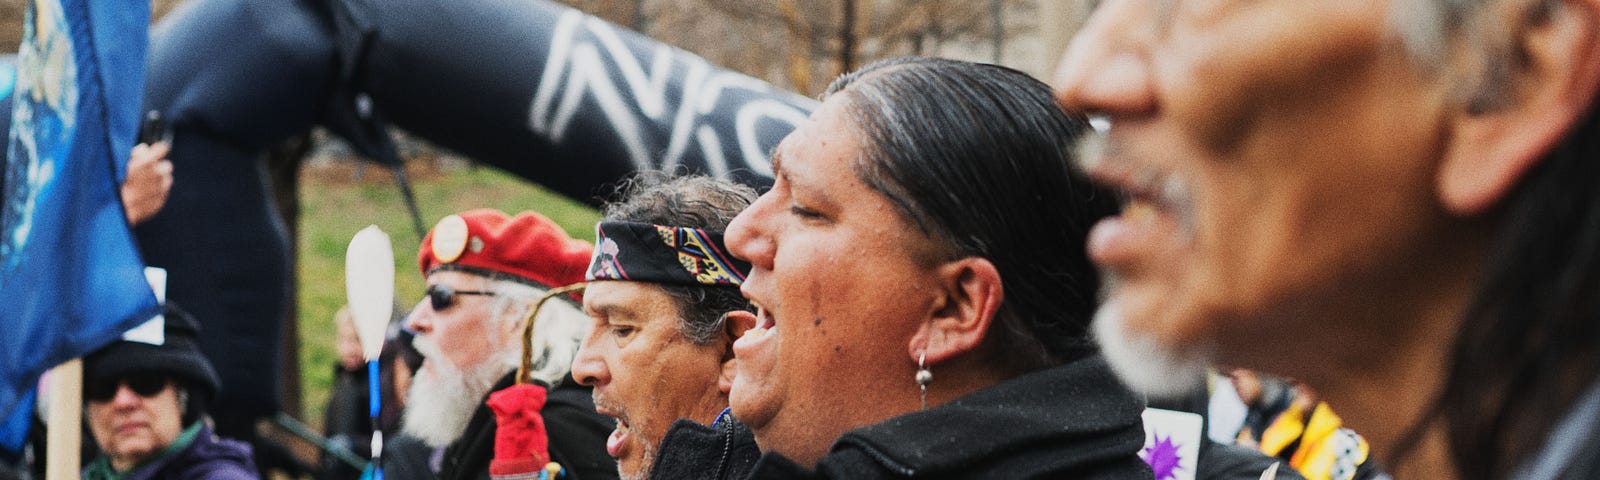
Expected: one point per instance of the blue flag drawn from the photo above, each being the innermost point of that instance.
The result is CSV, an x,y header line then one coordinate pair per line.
x,y
70,273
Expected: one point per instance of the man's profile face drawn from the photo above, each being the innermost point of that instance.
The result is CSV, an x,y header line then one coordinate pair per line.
x,y
645,373
131,426
1280,157
842,280
464,346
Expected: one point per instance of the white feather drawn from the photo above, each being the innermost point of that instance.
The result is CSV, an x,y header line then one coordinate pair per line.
x,y
369,282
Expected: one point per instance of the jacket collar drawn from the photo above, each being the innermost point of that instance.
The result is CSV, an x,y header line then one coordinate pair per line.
x,y
1081,405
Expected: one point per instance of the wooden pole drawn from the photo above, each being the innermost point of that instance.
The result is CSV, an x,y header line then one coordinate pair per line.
x,y
65,421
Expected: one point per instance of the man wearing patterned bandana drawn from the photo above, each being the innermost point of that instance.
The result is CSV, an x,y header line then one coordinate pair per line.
x,y
663,293
484,272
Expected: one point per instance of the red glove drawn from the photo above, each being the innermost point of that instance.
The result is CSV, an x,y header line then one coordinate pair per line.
x,y
521,446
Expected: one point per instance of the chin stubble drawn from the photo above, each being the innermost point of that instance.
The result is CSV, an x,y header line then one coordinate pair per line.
x,y
647,449
647,462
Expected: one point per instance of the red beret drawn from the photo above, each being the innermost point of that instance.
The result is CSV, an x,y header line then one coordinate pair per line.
x,y
528,246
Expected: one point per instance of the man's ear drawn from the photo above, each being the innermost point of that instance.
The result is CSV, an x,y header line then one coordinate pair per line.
x,y
733,327
963,314
1554,75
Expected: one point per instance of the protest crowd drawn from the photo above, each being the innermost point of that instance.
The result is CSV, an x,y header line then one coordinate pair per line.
x,y
1322,240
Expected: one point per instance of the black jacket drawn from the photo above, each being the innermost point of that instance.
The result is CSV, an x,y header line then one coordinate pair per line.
x,y
208,457
691,451
577,437
1232,462
1074,421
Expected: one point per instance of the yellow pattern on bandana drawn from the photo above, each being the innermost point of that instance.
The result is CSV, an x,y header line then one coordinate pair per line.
x,y
695,256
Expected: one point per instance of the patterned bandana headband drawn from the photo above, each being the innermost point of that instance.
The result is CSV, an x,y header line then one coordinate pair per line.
x,y
642,252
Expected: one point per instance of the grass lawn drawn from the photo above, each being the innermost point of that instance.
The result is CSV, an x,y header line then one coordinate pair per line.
x,y
336,202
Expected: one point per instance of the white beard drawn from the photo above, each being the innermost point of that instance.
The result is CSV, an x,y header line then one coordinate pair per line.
x,y
443,398
1144,364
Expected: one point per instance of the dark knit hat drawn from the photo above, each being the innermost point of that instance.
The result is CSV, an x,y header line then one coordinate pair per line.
x,y
179,355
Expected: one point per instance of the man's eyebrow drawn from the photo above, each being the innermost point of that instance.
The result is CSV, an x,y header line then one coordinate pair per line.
x,y
604,311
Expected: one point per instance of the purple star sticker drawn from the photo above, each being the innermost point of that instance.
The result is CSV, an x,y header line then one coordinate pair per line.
x,y
1162,455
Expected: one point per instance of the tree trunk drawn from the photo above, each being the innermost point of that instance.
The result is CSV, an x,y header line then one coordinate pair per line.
x,y
847,38
999,29
639,20
283,167
799,65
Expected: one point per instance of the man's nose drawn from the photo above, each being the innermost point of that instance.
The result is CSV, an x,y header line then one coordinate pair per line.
x,y
746,237
420,320
588,368
1107,68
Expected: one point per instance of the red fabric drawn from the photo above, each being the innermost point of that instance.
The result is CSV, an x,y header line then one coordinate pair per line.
x,y
520,442
528,245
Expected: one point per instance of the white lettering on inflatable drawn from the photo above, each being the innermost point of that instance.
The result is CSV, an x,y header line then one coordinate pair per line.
x,y
634,101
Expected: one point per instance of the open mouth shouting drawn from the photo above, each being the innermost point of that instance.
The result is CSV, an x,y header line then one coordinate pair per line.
x,y
764,322
617,444
1156,210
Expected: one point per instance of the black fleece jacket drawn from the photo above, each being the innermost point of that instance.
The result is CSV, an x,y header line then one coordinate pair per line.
x,y
1073,421
726,450
577,437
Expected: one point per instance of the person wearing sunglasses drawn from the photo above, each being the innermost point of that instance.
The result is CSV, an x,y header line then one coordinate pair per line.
x,y
144,399
485,270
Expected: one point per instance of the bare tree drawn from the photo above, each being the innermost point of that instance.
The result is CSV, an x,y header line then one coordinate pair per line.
x,y
628,13
826,38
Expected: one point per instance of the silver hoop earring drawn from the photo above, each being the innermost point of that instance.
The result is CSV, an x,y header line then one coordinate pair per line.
x,y
924,377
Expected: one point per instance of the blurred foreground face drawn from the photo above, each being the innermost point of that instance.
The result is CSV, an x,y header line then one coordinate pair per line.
x,y
131,427
645,373
1280,159
841,280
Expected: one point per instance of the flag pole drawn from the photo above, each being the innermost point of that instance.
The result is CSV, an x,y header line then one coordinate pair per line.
x,y
65,421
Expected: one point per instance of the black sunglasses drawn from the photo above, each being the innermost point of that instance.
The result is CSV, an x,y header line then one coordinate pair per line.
x,y
442,296
145,384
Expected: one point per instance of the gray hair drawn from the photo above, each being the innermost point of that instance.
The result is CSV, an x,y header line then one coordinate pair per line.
x,y
558,331
693,201
1427,28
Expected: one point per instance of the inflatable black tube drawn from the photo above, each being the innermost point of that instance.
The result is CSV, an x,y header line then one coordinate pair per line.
x,y
565,99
